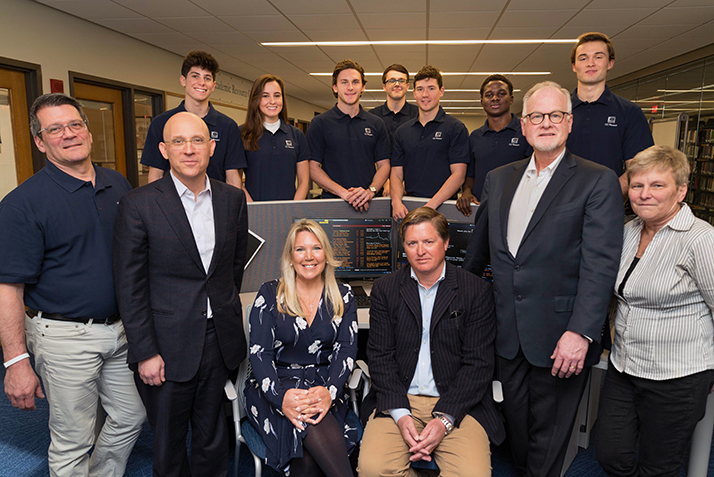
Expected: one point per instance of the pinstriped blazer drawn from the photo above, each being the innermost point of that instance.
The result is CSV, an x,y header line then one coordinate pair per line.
x,y
462,335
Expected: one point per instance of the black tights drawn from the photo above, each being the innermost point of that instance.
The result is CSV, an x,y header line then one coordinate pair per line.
x,y
324,452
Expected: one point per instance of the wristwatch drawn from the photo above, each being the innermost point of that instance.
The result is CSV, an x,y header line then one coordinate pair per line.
x,y
447,423
373,190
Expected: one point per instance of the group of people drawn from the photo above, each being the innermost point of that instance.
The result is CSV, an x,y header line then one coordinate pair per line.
x,y
95,275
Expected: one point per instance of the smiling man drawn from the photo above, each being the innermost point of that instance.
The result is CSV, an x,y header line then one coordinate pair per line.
x,y
198,78
607,129
551,226
395,111
350,147
55,251
179,251
431,151
498,142
431,357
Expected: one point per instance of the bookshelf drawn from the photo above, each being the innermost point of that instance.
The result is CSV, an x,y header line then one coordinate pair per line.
x,y
699,148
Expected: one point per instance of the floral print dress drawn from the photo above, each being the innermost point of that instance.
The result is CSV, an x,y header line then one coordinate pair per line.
x,y
287,353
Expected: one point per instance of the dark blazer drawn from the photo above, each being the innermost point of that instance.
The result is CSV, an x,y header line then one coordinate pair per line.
x,y
162,286
564,272
462,334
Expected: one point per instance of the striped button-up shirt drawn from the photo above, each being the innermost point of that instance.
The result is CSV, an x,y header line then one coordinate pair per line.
x,y
664,327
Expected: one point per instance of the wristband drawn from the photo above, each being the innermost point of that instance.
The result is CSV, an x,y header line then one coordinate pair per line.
x,y
16,359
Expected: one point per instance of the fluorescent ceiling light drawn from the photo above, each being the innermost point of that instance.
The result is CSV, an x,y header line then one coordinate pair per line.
x,y
415,42
465,73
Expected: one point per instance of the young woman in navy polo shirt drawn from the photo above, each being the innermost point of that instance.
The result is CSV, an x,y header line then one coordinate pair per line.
x,y
275,151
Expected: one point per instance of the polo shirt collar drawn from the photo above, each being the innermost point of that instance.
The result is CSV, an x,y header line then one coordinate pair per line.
x,y
362,114
605,97
439,118
211,116
283,127
67,182
515,125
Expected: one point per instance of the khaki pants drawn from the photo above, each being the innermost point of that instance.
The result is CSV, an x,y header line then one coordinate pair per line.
x,y
79,363
464,452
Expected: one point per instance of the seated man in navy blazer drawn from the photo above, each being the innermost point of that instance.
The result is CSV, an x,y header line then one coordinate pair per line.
x,y
179,250
551,226
431,358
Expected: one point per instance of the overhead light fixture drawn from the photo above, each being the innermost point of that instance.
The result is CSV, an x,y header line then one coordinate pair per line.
x,y
416,42
465,73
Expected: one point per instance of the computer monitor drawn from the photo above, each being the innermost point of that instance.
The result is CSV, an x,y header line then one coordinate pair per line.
x,y
459,234
363,245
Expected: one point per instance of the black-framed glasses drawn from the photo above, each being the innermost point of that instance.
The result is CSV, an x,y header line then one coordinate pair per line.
x,y
392,81
556,117
56,130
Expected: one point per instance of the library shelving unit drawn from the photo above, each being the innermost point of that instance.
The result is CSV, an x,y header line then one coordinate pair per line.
x,y
699,149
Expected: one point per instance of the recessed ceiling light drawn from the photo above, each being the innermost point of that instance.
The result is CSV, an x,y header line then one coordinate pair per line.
x,y
414,42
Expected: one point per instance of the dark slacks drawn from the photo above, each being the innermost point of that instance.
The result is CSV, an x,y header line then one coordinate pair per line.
x,y
171,406
660,415
540,411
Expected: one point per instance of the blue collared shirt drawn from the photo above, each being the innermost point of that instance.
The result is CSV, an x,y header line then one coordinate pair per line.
x,y
426,153
423,381
348,147
223,130
490,149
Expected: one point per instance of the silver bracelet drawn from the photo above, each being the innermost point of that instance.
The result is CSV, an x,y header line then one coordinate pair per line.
x,y
14,360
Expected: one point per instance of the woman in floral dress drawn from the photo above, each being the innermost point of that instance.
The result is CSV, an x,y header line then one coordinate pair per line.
x,y
303,342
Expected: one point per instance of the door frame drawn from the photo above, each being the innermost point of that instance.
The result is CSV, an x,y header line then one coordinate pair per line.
x,y
33,90
127,95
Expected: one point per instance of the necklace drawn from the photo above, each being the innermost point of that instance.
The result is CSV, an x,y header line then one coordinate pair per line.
x,y
310,302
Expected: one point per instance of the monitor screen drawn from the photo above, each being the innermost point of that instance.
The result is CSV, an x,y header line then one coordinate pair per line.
x,y
459,234
364,246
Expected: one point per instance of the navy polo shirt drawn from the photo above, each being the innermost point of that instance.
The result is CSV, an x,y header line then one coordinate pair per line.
x,y
393,120
426,152
609,131
348,147
56,238
490,149
223,130
270,171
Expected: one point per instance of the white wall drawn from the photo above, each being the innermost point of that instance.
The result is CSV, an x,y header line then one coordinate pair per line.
x,y
60,43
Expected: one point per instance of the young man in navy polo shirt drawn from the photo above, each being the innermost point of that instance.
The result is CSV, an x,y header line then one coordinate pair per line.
x,y
498,142
395,111
350,147
607,129
198,77
431,151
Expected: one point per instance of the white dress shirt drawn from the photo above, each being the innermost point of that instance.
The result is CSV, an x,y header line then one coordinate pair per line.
x,y
199,211
664,327
525,200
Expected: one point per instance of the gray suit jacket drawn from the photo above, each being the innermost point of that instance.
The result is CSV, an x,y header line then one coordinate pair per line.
x,y
161,284
563,275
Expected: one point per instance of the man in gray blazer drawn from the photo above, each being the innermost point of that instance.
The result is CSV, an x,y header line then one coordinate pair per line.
x,y
179,251
431,358
551,227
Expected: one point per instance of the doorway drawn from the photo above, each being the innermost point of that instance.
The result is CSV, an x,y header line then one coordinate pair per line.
x,y
15,139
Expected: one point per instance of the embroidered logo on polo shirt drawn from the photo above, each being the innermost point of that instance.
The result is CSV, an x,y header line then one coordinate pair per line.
x,y
514,142
289,144
214,135
368,132
437,136
611,122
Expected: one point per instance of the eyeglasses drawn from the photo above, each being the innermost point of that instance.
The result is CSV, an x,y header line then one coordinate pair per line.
x,y
392,81
556,117
181,142
57,130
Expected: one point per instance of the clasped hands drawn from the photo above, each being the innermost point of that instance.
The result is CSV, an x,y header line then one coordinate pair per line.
x,y
301,406
421,445
359,198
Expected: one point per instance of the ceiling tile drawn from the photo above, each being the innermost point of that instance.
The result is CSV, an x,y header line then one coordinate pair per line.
x,y
546,4
474,20
380,6
216,38
221,8
195,24
388,21
592,19
466,5
318,7
325,22
266,23
396,35
163,8
91,9
134,25
681,16
459,33
535,18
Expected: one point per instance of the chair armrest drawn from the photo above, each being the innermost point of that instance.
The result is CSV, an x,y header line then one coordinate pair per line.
x,y
497,389
363,366
355,379
230,390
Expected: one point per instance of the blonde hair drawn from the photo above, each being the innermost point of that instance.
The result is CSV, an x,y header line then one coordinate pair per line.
x,y
287,298
662,158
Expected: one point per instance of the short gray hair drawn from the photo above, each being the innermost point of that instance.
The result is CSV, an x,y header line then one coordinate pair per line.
x,y
546,84
51,100
662,158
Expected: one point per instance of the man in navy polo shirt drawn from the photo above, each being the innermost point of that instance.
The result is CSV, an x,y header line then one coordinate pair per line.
x,y
350,147
498,142
395,111
607,129
198,77
56,256
431,151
